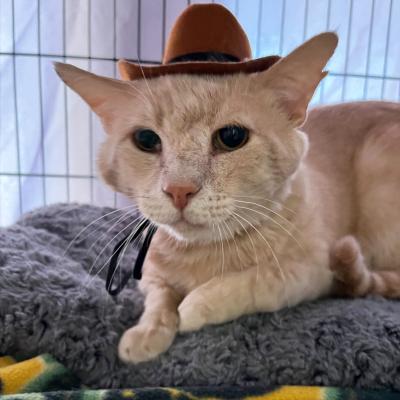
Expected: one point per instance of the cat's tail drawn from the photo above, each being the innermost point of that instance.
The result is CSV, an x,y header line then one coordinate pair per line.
x,y
353,278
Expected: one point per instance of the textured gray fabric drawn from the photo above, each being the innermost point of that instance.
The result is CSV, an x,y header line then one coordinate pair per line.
x,y
46,305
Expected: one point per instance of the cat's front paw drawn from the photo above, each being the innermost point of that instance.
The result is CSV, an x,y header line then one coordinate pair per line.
x,y
194,313
143,342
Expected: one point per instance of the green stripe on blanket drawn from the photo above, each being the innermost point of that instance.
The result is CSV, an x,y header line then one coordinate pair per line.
x,y
38,374
283,393
43,378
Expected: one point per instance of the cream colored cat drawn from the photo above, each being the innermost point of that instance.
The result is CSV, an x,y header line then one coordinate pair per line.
x,y
248,206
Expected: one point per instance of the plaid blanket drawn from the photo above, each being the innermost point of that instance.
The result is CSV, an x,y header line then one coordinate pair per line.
x,y
43,378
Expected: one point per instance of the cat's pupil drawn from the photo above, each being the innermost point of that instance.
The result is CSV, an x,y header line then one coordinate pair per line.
x,y
231,137
147,140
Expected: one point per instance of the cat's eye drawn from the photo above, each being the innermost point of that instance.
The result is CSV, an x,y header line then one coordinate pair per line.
x,y
147,140
230,137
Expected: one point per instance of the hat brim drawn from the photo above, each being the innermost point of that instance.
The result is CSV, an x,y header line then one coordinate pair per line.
x,y
131,71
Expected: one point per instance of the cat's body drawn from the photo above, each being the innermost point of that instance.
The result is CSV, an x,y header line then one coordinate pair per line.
x,y
339,184
248,228
339,191
361,141
355,147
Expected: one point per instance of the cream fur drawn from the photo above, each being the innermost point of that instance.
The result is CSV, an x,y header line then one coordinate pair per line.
x,y
258,234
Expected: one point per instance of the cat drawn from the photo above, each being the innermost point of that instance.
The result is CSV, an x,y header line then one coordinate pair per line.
x,y
353,277
252,200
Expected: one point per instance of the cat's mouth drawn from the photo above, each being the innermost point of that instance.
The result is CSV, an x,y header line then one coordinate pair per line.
x,y
183,222
191,228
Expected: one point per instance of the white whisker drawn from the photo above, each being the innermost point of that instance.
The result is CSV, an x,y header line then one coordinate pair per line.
x,y
265,199
251,240
234,241
141,94
214,240
121,256
134,230
270,210
119,219
225,234
269,246
277,223
146,82
222,249
110,241
93,222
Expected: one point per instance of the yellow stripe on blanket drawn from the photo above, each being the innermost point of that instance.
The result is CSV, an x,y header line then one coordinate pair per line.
x,y
293,393
15,377
6,361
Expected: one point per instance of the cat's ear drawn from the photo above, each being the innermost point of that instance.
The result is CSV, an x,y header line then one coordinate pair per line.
x,y
105,96
295,77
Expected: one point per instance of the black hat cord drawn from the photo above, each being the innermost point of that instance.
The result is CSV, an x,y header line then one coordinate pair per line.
x,y
137,268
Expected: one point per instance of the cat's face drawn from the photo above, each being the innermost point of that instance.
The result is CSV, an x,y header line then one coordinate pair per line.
x,y
191,150
261,152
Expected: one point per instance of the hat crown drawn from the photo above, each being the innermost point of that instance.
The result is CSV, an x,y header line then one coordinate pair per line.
x,y
203,28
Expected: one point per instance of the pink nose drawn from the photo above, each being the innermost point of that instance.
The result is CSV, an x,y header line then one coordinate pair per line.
x,y
180,193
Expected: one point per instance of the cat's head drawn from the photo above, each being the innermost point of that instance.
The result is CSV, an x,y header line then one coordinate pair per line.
x,y
191,150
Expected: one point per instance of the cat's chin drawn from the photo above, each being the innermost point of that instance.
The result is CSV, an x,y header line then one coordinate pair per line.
x,y
184,231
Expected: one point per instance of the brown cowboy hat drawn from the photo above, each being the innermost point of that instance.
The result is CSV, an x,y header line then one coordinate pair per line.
x,y
200,30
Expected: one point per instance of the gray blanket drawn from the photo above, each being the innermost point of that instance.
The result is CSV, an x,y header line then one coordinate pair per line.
x,y
50,304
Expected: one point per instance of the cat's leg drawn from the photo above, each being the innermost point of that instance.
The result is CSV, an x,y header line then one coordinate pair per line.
x,y
157,326
353,276
348,265
235,294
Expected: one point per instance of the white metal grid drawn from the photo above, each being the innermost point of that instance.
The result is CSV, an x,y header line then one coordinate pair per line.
x,y
48,137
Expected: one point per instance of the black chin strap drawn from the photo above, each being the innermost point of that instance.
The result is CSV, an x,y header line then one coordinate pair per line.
x,y
137,268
